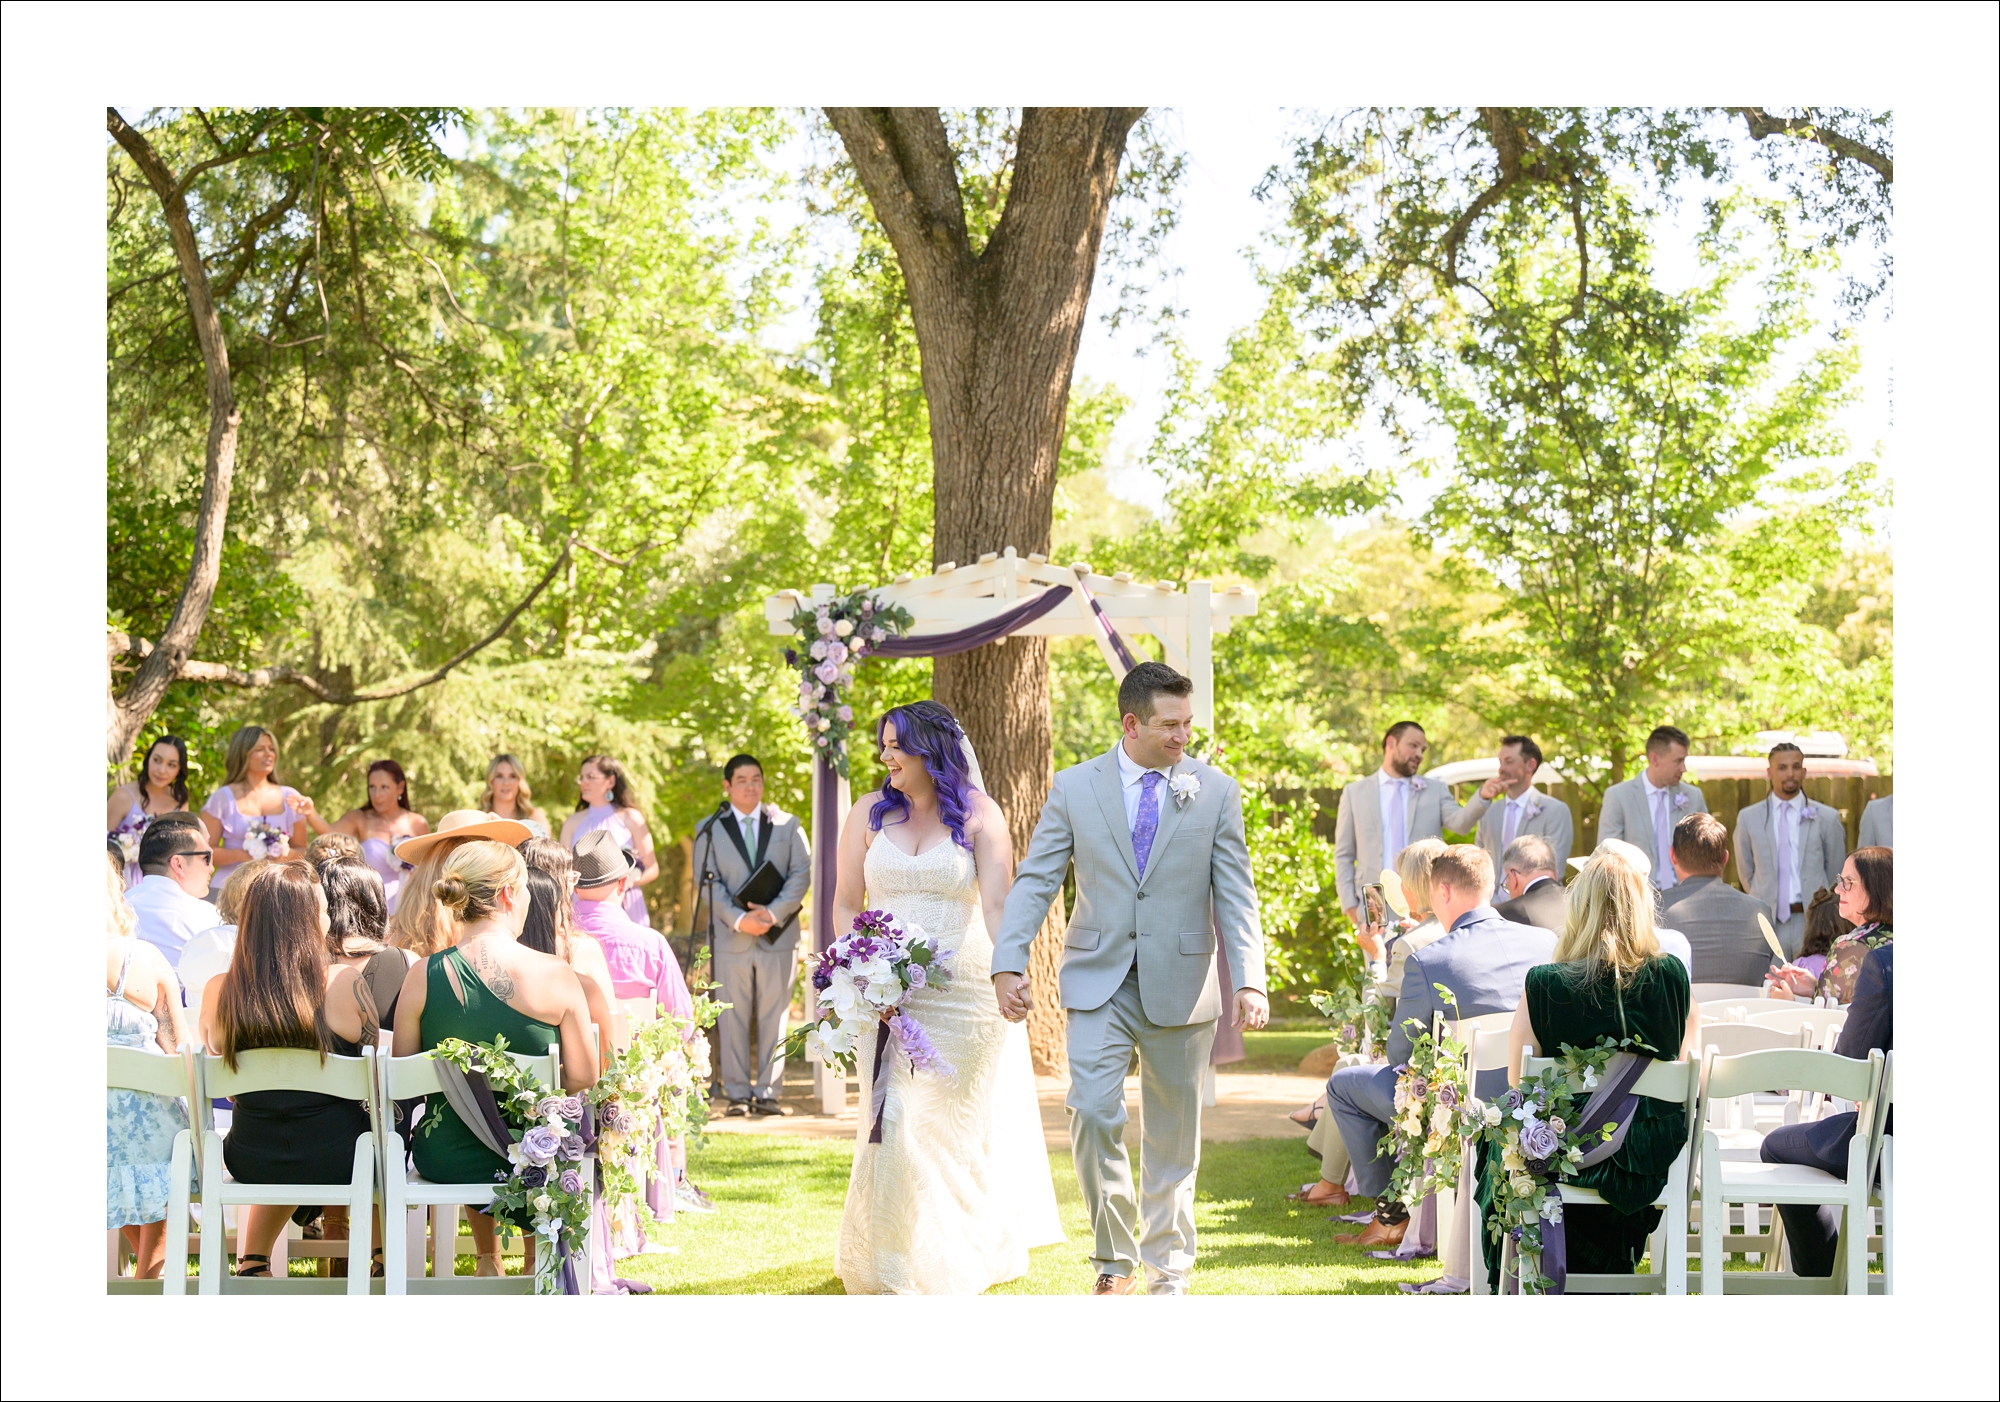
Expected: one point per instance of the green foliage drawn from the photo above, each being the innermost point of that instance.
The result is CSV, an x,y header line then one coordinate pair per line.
x,y
1306,947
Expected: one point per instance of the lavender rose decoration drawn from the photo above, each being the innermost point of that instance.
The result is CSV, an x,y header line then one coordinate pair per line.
x,y
539,1145
570,1182
572,1108
571,1147
1539,1140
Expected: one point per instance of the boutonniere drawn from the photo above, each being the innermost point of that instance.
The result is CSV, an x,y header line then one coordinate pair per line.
x,y
774,814
1531,809
1183,787
1416,786
1808,815
1680,799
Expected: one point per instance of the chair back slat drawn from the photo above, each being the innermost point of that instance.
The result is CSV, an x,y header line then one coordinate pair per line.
x,y
1885,1101
1465,1027
1740,1009
287,1068
1797,1015
1736,1038
407,1077
1722,992
132,1068
1488,1050
1663,1080
1791,1069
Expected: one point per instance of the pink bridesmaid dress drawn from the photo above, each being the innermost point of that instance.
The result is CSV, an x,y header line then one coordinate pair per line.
x,y
221,806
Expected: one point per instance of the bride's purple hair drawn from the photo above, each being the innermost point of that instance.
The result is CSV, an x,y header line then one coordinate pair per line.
x,y
928,730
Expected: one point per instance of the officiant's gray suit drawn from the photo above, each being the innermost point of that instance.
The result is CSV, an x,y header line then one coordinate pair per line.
x,y
756,971
1138,970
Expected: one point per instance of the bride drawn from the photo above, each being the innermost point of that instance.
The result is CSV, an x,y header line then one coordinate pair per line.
x,y
958,1189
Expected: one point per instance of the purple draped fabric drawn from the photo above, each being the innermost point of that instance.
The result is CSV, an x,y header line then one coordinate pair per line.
x,y
978,635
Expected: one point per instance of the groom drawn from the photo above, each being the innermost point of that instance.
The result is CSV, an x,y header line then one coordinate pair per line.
x,y
1161,869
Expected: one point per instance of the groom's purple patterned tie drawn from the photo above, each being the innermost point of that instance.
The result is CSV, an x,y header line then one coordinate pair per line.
x,y
1147,823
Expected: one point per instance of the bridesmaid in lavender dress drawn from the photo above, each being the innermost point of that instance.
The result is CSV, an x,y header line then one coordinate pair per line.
x,y
605,801
160,788
508,795
382,822
251,794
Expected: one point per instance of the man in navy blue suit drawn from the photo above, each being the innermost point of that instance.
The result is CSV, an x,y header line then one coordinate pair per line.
x,y
1814,1231
1484,960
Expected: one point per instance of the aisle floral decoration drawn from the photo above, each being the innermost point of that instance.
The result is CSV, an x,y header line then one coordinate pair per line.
x,y
865,977
1360,1021
547,1191
1431,1099
657,1085
843,631
1535,1131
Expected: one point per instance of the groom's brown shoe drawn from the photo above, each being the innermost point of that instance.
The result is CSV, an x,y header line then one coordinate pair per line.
x,y
1108,1284
1377,1233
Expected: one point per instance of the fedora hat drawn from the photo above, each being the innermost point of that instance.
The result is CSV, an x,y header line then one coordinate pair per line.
x,y
600,860
463,823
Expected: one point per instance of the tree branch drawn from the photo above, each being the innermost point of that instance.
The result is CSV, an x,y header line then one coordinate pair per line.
x,y
119,645
903,158
1763,124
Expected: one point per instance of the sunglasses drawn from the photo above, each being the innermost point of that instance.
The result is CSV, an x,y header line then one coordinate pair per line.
x,y
207,854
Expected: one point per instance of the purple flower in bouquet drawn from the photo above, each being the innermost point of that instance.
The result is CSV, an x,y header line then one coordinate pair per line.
x,y
572,1108
837,653
548,1105
914,976
1448,1097
1346,1031
827,673
822,978
570,1182
1510,1099
1539,1140
1420,1088
791,658
1538,1167
572,1147
539,1145
825,622
846,713
867,608
818,651
533,1178
916,1044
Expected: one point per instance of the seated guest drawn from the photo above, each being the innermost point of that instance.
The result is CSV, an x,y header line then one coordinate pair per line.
x,y
1609,978
1483,960
1813,1232
1824,927
420,923
207,954
641,963
1866,889
175,855
1413,875
143,1011
487,984
580,951
1532,872
275,995
1719,921
332,847
548,930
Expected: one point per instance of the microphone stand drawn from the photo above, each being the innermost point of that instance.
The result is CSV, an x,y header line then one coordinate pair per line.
x,y
705,863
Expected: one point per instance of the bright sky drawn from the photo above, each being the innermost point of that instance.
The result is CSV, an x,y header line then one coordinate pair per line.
x,y
1222,223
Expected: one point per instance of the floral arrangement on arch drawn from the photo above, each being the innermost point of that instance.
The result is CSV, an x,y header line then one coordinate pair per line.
x,y
547,1190
1431,1100
843,631
1535,1133
657,1085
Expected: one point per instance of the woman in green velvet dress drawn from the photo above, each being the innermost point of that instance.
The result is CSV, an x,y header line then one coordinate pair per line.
x,y
1609,979
487,984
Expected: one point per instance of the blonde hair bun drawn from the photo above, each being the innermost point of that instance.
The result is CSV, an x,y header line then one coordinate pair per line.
x,y
451,891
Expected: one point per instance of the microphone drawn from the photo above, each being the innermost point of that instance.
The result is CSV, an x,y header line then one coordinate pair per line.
x,y
709,821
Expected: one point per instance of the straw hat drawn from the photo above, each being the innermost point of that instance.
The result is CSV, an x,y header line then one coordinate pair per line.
x,y
600,860
1392,892
464,823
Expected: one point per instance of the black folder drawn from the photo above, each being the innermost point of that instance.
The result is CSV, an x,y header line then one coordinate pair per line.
x,y
762,888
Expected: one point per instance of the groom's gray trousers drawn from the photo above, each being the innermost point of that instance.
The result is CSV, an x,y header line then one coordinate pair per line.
x,y
1171,1063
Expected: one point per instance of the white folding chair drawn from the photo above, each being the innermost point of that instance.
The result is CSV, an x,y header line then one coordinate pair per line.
x,y
405,1190
1680,1083
293,1069
130,1068
1740,1009
1486,1050
1725,992
631,1014
1725,1181
1882,1177
1801,1015
1734,1122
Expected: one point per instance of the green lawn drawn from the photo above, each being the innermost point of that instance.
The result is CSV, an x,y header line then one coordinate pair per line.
x,y
780,1212
1279,1049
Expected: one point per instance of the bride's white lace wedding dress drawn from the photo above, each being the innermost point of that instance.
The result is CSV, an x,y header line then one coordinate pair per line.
x,y
959,1188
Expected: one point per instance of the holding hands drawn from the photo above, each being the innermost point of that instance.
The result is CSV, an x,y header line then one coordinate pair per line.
x,y
1014,995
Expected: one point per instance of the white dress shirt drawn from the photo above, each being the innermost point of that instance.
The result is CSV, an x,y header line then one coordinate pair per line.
x,y
1789,812
168,916
1385,788
1131,777
206,957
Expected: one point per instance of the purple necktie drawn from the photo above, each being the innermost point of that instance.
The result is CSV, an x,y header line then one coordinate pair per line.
x,y
1663,841
1512,823
1786,895
1147,823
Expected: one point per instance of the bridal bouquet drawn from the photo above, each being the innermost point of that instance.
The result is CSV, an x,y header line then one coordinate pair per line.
x,y
865,977
128,838
261,840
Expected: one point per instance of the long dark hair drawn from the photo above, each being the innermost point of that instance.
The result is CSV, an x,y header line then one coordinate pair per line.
x,y
544,926
357,905
621,787
179,787
928,730
394,771
1824,923
275,988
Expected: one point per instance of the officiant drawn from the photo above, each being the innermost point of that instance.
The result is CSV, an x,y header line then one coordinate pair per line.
x,y
756,867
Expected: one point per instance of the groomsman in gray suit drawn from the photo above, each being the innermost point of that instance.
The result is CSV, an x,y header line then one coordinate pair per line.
x,y
756,947
1644,809
1878,822
1507,807
1788,846
1381,815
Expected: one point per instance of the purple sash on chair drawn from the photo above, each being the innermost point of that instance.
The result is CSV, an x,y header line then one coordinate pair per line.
x,y
1611,1104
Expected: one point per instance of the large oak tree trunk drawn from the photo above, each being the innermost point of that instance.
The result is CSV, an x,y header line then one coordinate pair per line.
x,y
998,332
129,712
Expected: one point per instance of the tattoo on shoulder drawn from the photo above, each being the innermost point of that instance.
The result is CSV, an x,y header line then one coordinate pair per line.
x,y
501,982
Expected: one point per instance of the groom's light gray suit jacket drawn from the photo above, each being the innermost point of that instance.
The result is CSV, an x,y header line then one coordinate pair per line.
x,y
1197,880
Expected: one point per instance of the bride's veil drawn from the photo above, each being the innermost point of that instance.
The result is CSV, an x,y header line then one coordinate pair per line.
x,y
971,759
